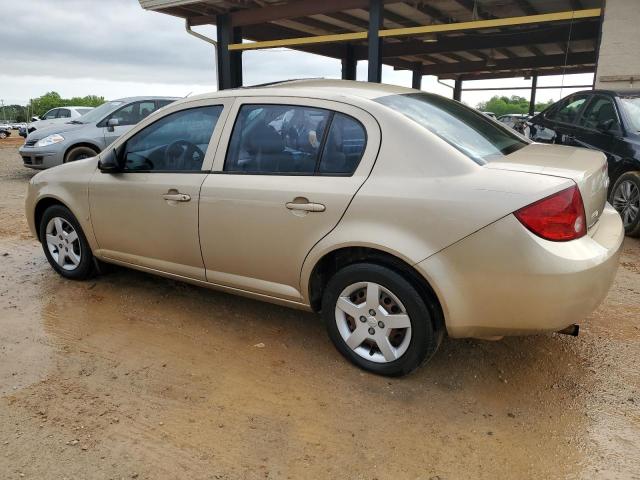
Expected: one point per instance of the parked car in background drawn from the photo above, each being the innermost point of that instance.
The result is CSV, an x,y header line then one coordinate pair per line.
x,y
490,114
4,132
88,135
511,119
603,120
272,193
55,116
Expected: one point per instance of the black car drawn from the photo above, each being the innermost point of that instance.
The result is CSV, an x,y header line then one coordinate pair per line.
x,y
608,121
4,133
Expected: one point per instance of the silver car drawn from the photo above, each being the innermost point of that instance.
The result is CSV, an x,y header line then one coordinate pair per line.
x,y
55,116
89,134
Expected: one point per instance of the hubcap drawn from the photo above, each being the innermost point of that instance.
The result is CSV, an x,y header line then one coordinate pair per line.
x,y
63,243
626,200
373,322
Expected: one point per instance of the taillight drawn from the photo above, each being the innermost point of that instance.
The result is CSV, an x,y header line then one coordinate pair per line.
x,y
559,217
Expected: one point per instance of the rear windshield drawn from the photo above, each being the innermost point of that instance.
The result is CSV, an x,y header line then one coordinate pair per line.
x,y
464,128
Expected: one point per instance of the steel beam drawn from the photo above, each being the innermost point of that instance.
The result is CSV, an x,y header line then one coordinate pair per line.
x,y
532,98
349,64
224,33
376,12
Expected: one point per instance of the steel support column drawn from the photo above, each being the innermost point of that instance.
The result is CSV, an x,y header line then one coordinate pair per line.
x,y
376,8
223,28
349,63
236,59
532,98
416,78
457,89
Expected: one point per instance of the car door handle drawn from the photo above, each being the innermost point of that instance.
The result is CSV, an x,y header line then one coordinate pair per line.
x,y
177,197
306,207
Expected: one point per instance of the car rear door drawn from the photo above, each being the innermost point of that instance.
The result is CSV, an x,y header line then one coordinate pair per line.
x,y
280,184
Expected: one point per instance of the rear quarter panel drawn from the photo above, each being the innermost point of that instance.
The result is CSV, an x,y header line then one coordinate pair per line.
x,y
424,195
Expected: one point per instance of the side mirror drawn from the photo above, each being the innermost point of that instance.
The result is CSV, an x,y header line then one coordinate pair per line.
x,y
34,119
109,163
111,123
605,127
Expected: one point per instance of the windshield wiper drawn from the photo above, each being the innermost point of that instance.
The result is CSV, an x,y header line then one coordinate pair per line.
x,y
75,122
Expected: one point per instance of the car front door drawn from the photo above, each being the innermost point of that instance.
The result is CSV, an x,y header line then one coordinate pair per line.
x,y
284,175
126,117
561,121
147,214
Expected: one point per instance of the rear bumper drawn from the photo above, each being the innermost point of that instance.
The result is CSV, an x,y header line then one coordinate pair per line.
x,y
504,280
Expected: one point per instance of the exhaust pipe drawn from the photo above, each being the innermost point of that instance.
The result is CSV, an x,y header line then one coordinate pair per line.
x,y
572,330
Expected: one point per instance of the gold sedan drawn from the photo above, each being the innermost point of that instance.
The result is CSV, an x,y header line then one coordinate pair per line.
x,y
399,215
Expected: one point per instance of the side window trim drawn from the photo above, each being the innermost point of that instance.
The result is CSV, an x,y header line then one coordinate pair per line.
x,y
221,118
316,172
568,101
593,99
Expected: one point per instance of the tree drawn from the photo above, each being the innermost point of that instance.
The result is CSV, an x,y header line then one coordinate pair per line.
x,y
502,105
39,106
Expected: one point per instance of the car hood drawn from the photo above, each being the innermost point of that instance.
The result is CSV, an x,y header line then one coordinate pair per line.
x,y
60,128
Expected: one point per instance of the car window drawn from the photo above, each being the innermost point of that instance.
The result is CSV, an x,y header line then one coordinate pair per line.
x,y
599,112
64,113
344,146
631,105
50,115
568,111
133,113
163,103
177,142
277,139
464,128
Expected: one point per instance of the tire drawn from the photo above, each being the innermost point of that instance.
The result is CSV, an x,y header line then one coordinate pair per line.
x,y
410,347
78,153
3,135
77,262
625,198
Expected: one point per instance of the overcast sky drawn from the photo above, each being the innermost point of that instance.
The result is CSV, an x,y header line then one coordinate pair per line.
x,y
114,48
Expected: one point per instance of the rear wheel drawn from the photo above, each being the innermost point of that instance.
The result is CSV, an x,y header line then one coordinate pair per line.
x,y
378,320
64,243
625,198
3,135
78,153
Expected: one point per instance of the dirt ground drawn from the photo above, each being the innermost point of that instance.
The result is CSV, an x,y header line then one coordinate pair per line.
x,y
134,376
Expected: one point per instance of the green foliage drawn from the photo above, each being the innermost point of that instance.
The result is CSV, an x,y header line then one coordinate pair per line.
x,y
39,106
501,105
13,113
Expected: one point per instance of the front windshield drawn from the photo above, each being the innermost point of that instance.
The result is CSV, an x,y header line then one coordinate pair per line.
x,y
632,107
99,113
464,128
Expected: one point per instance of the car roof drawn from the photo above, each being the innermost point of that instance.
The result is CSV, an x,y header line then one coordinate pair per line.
x,y
613,93
144,97
328,89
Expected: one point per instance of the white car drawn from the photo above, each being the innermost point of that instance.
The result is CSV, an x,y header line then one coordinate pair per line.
x,y
55,116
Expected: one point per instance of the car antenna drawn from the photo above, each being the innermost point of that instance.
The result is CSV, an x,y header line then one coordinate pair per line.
x,y
187,94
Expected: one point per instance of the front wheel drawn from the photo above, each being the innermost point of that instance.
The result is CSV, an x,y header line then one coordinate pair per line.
x,y
79,153
378,320
625,198
64,243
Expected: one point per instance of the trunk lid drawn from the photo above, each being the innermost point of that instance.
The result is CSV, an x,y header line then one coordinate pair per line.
x,y
588,168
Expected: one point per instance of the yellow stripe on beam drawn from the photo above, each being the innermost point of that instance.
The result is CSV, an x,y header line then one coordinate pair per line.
x,y
441,27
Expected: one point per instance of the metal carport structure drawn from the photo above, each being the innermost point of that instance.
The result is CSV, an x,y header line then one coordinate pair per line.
x,y
451,39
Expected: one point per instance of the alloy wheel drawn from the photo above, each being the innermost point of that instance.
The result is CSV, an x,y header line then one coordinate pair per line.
x,y
373,322
626,200
63,243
